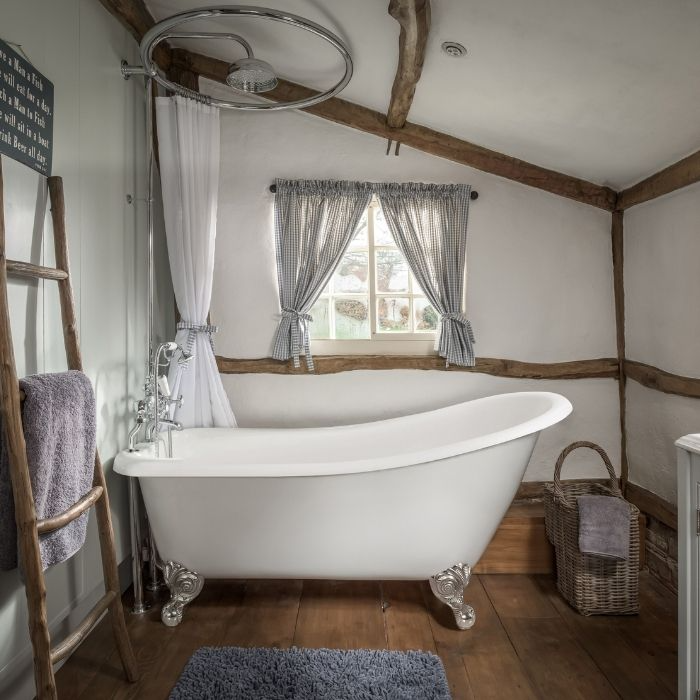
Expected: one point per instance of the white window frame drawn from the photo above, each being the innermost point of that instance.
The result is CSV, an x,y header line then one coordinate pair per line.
x,y
380,342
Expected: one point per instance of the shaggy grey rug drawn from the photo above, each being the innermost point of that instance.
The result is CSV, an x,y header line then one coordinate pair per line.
x,y
234,673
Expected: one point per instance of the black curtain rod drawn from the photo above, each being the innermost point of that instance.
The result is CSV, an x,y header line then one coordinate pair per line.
x,y
473,195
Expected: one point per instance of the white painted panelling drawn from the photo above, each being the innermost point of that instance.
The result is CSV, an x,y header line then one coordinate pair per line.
x,y
98,142
595,89
654,422
662,284
539,286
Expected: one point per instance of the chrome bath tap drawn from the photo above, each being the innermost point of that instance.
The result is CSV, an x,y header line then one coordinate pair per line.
x,y
153,410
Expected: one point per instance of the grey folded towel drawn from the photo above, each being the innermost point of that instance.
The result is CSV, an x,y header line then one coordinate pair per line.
x,y
604,526
59,430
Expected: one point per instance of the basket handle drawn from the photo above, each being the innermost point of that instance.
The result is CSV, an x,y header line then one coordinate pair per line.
x,y
559,491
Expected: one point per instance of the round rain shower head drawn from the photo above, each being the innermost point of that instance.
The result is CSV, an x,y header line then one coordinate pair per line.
x,y
247,75
251,75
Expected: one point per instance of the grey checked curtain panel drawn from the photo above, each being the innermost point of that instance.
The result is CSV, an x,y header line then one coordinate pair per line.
x,y
429,224
314,223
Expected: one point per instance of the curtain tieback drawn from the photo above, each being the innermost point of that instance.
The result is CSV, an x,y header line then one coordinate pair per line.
x,y
194,328
299,324
459,317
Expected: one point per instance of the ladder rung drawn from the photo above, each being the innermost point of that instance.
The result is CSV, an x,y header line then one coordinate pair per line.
x,y
81,631
24,269
69,515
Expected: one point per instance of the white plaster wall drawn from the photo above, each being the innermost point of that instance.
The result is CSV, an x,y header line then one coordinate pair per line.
x,y
98,139
662,294
539,285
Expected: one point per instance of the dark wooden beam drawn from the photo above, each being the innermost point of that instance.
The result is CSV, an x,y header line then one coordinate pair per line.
x,y
653,505
137,19
617,236
179,73
413,17
681,174
424,139
332,364
134,15
655,378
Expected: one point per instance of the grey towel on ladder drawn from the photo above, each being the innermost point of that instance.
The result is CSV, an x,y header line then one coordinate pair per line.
x,y
604,526
59,431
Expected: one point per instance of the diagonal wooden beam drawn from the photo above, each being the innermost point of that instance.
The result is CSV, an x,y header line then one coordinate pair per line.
x,y
414,18
422,138
134,15
681,174
137,19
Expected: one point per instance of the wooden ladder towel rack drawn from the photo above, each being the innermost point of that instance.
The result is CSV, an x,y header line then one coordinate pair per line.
x,y
28,527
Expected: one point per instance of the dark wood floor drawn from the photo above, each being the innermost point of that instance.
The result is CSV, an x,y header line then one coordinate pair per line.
x,y
527,643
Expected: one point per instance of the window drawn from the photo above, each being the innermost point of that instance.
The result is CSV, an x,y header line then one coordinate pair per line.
x,y
372,295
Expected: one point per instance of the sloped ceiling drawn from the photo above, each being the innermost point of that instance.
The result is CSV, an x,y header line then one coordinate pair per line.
x,y
606,91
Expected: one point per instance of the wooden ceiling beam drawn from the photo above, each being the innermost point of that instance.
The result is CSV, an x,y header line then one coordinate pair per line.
x,y
137,19
135,16
422,138
681,174
413,17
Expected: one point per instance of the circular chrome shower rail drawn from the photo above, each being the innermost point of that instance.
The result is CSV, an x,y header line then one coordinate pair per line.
x,y
164,30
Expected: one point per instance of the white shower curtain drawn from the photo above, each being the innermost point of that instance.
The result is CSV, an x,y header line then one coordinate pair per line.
x,y
188,144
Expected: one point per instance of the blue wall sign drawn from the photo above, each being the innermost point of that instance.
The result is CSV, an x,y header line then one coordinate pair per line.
x,y
26,111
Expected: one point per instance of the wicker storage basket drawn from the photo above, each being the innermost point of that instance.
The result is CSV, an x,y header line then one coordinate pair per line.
x,y
593,585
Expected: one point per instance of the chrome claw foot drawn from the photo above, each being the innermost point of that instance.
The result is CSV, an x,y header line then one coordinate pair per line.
x,y
448,586
184,586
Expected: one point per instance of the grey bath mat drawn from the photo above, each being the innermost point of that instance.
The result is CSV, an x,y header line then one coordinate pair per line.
x,y
234,673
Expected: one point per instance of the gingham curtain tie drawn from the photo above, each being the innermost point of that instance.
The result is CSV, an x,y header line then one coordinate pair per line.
x,y
299,324
459,317
194,328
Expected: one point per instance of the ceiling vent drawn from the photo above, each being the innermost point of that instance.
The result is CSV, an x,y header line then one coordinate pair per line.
x,y
452,48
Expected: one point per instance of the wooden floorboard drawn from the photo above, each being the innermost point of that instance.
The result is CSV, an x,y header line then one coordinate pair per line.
x,y
341,615
493,668
406,619
266,617
616,656
527,643
557,665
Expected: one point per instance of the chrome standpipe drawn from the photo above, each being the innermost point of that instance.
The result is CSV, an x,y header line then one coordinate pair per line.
x,y
140,606
448,586
157,402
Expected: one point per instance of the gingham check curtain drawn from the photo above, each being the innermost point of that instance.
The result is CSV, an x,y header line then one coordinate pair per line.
x,y
314,223
429,224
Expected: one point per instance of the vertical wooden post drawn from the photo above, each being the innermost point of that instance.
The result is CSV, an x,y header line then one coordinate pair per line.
x,y
102,510
618,242
25,515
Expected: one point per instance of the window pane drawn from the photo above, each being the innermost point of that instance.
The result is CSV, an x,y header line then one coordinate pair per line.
x,y
382,235
425,316
352,318
393,314
361,238
352,273
392,271
416,288
320,326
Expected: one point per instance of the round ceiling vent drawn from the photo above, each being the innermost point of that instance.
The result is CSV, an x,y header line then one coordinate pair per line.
x,y
452,48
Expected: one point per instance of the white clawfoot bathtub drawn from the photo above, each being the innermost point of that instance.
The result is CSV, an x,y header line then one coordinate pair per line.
x,y
403,498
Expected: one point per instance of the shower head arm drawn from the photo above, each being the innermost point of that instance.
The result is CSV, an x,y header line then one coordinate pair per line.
x,y
207,35
155,35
